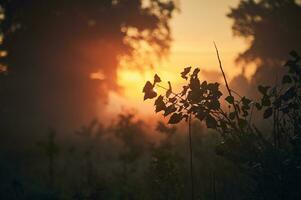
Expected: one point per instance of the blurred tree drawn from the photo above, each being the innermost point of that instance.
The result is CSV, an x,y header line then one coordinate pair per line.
x,y
272,29
55,46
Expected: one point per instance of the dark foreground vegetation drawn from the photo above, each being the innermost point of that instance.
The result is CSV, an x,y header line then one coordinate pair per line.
x,y
234,159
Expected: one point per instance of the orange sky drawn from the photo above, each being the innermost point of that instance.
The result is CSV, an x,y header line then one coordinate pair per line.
x,y
194,29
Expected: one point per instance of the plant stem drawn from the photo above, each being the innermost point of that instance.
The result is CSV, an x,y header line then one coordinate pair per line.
x,y
225,79
191,163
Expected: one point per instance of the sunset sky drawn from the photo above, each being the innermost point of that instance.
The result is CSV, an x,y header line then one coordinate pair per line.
x,y
194,29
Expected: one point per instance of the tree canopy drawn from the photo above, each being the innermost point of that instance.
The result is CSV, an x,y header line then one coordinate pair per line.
x,y
54,46
272,29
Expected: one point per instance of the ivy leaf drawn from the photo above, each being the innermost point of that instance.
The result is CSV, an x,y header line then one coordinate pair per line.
x,y
157,79
185,72
211,122
286,79
148,91
230,99
268,113
159,103
175,118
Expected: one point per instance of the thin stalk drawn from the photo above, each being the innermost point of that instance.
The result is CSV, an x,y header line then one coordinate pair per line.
x,y
191,162
225,79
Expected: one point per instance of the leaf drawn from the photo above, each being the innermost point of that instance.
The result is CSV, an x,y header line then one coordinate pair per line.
x,y
160,104
294,54
175,118
230,99
289,94
214,105
148,91
157,79
265,101
201,114
185,88
195,72
286,79
242,123
147,87
169,91
246,101
185,72
211,122
232,115
194,84
263,89
172,100
258,106
170,109
268,113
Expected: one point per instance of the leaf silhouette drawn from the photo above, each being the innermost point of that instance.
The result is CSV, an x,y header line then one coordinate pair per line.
x,y
268,113
169,91
170,109
175,118
159,103
157,79
185,72
148,91
230,99
211,122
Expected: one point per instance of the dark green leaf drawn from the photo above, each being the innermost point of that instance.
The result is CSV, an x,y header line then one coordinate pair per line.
x,y
230,99
246,101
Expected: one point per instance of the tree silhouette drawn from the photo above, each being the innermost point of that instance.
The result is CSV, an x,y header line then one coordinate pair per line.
x,y
272,28
54,46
